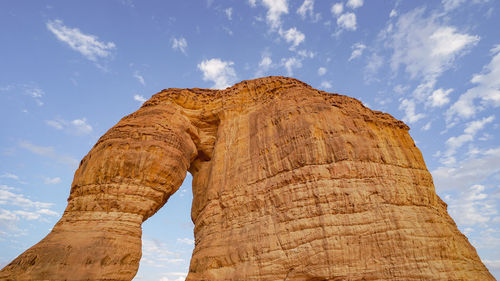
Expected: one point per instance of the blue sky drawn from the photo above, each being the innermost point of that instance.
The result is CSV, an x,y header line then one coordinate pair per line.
x,y
69,70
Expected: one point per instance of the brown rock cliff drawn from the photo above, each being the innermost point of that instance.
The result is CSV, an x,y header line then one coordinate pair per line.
x,y
289,183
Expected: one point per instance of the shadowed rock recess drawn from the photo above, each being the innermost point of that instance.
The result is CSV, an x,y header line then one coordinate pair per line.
x,y
289,183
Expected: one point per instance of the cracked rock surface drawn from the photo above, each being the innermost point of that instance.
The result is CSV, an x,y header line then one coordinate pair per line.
x,y
289,183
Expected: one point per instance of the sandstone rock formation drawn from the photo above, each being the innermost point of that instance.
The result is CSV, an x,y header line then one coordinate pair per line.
x,y
289,183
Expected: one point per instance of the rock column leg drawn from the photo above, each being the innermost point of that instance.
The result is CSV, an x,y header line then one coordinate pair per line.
x,y
127,176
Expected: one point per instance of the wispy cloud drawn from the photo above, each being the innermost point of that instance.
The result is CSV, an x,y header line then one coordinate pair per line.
x,y
326,85
229,13
275,9
49,152
357,51
9,176
139,78
220,72
485,94
293,36
187,241
456,142
156,253
15,207
472,206
465,173
450,5
86,44
337,9
439,97
180,44
264,65
354,4
426,47
347,21
307,10
290,64
55,180
77,126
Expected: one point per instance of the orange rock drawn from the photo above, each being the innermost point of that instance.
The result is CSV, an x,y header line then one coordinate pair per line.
x,y
289,183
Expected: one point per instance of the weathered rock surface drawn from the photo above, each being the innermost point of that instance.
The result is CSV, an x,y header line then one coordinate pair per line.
x,y
289,183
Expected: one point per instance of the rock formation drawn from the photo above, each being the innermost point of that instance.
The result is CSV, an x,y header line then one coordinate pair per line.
x,y
289,183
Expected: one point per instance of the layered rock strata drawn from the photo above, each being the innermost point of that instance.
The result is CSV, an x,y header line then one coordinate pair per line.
x,y
289,183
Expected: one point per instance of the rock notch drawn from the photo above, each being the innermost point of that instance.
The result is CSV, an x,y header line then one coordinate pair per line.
x,y
289,183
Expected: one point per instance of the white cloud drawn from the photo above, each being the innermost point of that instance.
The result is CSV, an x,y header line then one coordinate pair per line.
x,y
451,4
427,126
229,13
9,176
265,62
487,91
220,72
81,126
290,64
439,97
326,85
321,71
409,107
393,13
86,44
472,206
354,4
77,126
140,98
426,47
252,3
54,124
473,127
307,8
337,9
187,241
179,44
347,21
179,276
139,78
34,92
469,171
275,9
49,152
156,253
306,54
293,36
10,198
357,50
492,264
55,180
455,142
264,65
375,62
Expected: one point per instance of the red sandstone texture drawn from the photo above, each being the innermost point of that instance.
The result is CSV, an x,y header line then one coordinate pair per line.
x,y
289,183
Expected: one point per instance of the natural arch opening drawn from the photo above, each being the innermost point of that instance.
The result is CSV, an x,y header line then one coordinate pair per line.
x,y
167,238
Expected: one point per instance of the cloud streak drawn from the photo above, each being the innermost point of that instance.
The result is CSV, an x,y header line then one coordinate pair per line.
x,y
86,44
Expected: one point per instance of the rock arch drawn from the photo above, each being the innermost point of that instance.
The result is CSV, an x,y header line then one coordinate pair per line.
x,y
290,183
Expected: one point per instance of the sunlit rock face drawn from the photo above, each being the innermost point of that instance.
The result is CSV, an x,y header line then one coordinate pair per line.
x,y
289,183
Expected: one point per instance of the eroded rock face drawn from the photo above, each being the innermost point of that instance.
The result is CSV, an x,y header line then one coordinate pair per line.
x,y
289,183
